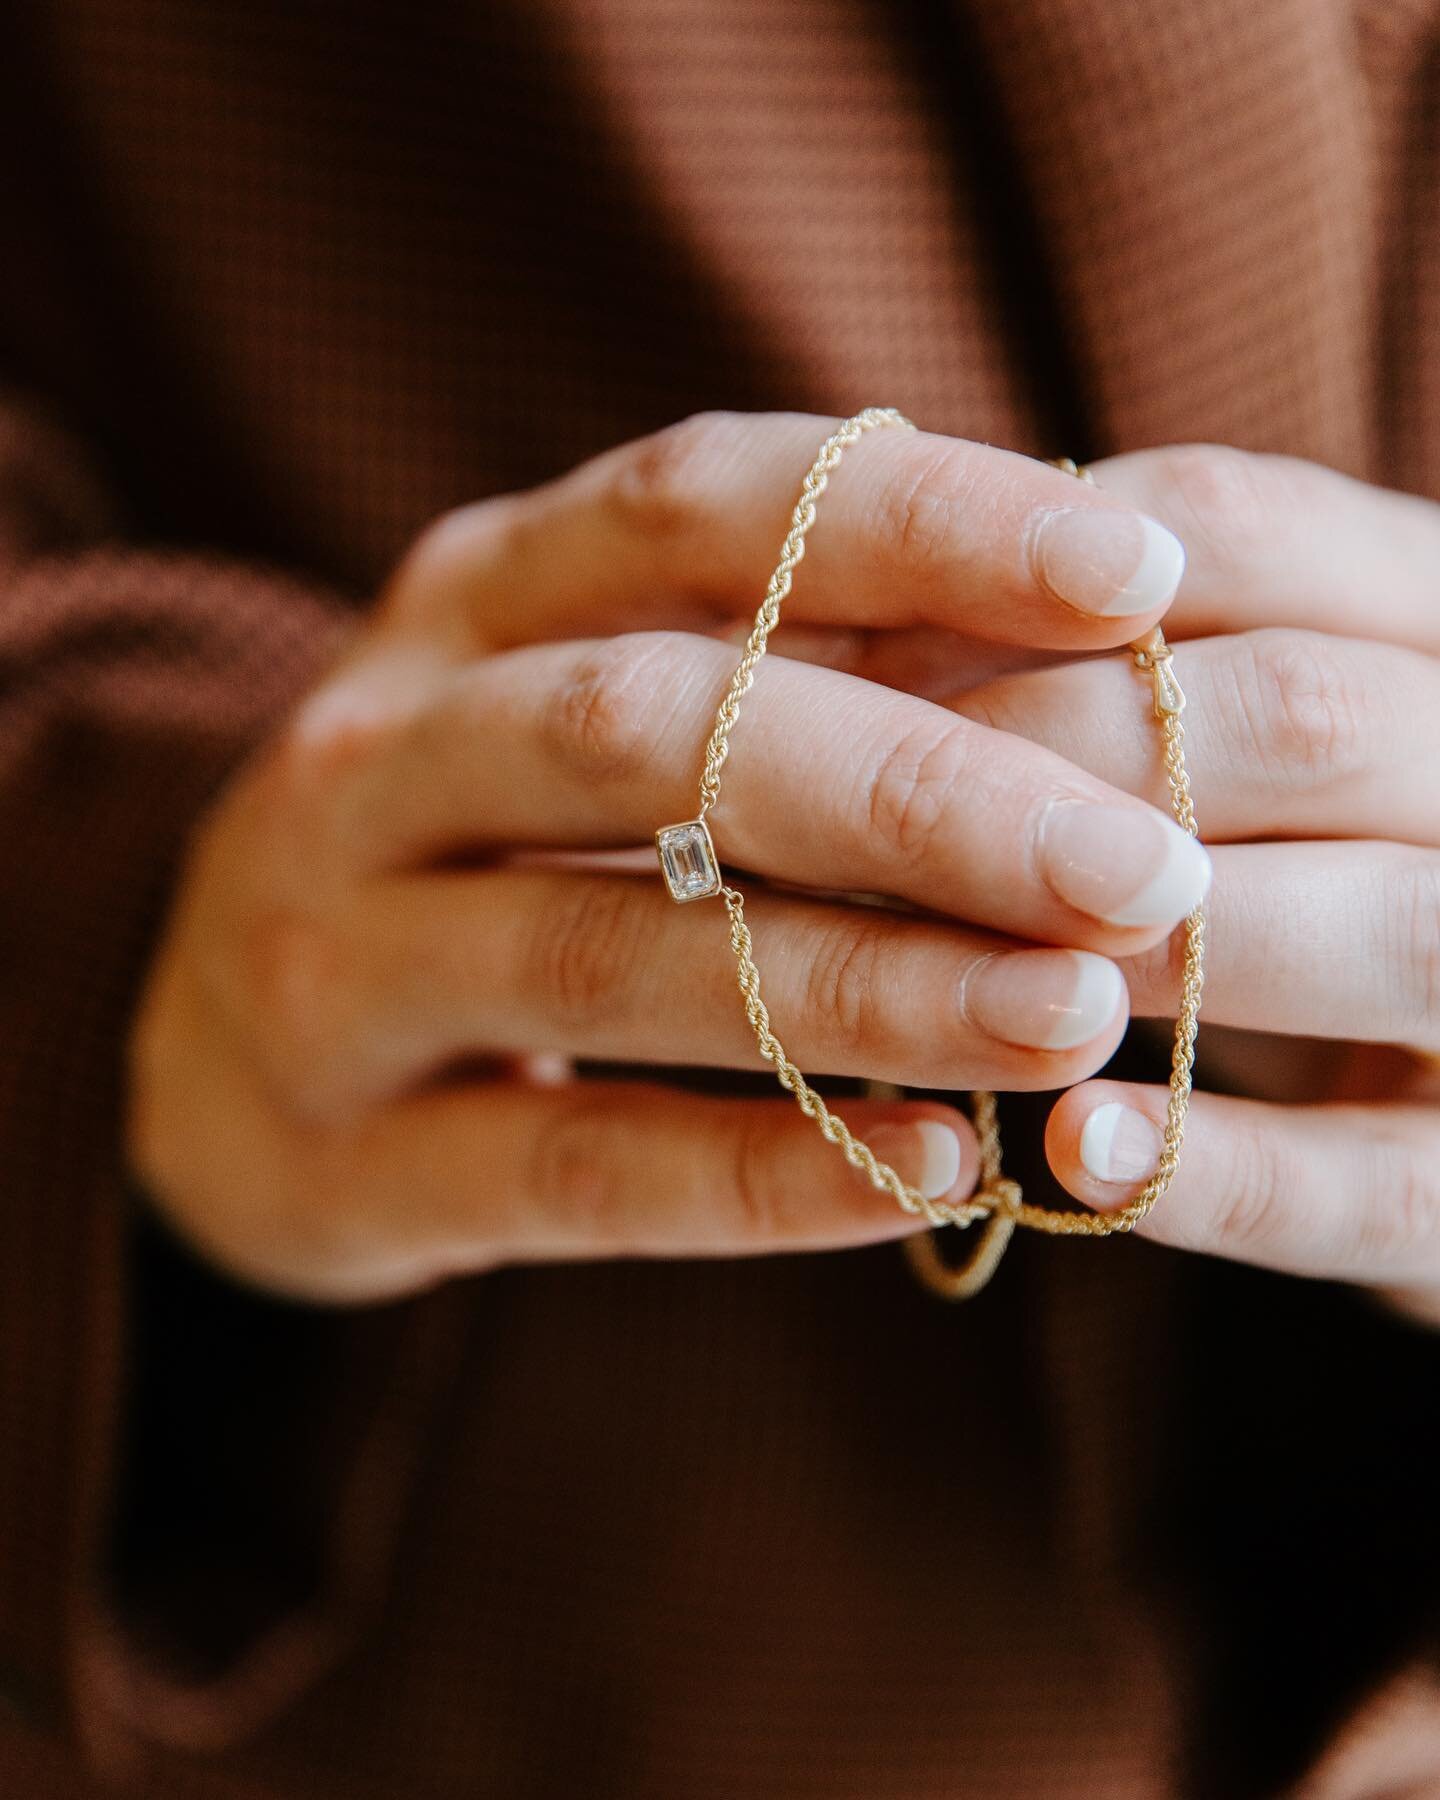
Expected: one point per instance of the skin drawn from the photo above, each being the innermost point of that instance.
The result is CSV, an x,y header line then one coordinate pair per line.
x,y
350,1071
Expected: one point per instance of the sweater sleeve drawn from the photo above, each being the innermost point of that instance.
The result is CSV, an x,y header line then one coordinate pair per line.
x,y
181,1546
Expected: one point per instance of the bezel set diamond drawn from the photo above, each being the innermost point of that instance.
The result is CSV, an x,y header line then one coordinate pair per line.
x,y
688,861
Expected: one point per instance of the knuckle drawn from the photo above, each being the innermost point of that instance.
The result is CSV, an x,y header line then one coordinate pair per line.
x,y
1398,1217
911,787
293,974
661,484
917,514
558,1167
589,947
1302,707
1258,1200
576,1179
599,725
759,1193
326,744
449,555
327,751
1221,501
448,543
847,986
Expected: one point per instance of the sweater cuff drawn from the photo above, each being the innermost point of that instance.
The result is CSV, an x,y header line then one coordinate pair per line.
x,y
190,1527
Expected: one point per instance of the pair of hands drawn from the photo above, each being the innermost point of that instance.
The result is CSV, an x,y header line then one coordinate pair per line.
x,y
349,1071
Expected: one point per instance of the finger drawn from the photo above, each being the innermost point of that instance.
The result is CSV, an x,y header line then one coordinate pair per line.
x,y
1313,940
923,660
427,970
1272,540
472,1177
1349,1193
834,783
684,527
1288,733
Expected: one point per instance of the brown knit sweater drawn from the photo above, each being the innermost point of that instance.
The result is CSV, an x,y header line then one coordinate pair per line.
x,y
281,280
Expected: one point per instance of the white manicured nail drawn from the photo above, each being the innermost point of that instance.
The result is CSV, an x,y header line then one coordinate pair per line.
x,y
1106,562
1044,999
926,1154
1127,865
1119,1145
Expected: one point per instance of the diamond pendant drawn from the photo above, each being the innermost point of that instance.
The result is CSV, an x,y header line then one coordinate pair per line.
x,y
688,861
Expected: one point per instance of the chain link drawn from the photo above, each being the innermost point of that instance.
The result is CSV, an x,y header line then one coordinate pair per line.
x,y
768,617
997,1201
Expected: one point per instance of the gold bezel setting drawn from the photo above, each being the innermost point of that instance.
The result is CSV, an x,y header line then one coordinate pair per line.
x,y
688,860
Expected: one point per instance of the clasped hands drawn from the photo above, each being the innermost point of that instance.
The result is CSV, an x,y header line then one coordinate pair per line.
x,y
350,1073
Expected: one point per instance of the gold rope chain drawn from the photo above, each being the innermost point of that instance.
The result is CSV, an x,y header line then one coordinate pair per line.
x,y
692,872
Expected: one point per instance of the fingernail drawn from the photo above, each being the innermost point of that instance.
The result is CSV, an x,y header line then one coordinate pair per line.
x,y
926,1154
1119,1145
1106,563
1044,999
1126,865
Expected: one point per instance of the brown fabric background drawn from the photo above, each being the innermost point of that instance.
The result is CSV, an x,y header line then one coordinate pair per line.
x,y
279,282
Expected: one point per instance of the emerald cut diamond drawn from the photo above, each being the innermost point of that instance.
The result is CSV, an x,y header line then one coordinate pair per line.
x,y
687,860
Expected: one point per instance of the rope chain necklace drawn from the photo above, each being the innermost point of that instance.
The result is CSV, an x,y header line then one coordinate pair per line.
x,y
692,872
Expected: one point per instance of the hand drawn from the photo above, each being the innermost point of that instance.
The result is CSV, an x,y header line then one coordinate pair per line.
x,y
1313,735
344,1070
